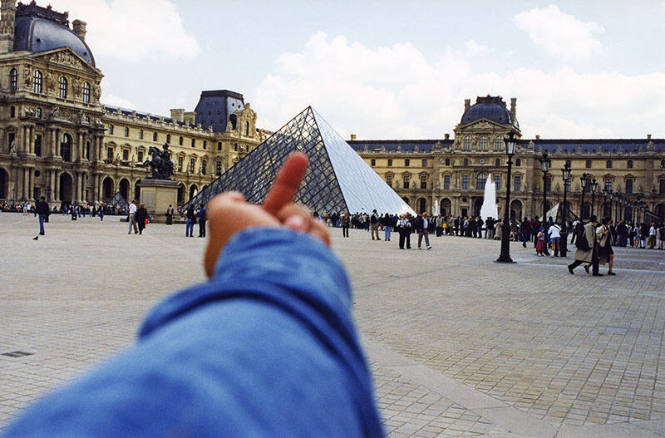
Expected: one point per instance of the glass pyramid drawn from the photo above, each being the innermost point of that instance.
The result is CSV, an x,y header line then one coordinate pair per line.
x,y
337,179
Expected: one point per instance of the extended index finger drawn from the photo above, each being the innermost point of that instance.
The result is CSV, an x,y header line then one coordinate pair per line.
x,y
286,184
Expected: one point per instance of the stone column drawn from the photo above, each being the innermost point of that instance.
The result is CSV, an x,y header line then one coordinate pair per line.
x,y
31,183
56,193
52,180
26,183
57,142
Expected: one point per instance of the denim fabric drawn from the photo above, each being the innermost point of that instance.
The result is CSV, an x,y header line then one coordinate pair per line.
x,y
267,348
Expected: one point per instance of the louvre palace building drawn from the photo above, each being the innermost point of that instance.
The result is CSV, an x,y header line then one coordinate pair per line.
x,y
447,176
59,141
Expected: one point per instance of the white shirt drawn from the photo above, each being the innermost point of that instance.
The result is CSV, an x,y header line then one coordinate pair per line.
x,y
554,231
132,208
425,223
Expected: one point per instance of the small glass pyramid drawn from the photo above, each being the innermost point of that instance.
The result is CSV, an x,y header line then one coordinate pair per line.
x,y
337,179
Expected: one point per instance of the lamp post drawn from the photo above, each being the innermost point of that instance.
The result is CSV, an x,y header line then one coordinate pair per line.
x,y
594,187
504,257
545,164
584,180
564,229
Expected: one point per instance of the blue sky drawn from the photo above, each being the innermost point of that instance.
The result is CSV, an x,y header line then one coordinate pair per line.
x,y
390,69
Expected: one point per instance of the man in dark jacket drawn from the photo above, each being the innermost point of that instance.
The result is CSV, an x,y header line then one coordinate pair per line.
x,y
202,221
43,212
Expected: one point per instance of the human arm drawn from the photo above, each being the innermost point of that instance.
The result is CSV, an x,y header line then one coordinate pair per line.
x,y
267,347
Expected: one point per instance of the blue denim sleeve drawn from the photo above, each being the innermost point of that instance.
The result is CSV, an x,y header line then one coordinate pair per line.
x,y
266,348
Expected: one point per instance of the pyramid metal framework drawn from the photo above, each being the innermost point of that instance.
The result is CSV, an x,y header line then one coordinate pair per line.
x,y
118,201
337,179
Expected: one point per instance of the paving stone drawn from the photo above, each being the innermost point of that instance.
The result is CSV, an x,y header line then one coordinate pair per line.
x,y
550,348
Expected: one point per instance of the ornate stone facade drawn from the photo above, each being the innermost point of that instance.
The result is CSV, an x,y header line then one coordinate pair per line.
x,y
448,175
59,141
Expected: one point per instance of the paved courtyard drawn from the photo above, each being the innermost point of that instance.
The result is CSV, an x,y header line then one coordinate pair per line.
x,y
459,345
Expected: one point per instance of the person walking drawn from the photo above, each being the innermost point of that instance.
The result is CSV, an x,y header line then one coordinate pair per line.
x,y
132,218
555,237
202,221
387,226
422,227
345,221
374,224
42,210
605,252
404,229
191,218
101,212
141,217
169,215
540,244
586,248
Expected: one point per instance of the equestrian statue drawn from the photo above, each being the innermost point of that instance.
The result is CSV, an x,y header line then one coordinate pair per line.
x,y
160,164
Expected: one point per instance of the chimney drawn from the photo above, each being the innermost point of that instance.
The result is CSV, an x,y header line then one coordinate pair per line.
x,y
189,117
446,136
467,104
537,137
353,137
7,25
513,108
79,28
178,114
648,136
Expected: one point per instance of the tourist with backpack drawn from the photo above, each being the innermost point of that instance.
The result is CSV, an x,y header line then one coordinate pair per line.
x,y
585,241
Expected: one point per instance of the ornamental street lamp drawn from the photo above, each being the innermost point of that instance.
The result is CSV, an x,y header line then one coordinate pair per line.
x,y
606,197
584,180
545,164
564,229
594,187
504,257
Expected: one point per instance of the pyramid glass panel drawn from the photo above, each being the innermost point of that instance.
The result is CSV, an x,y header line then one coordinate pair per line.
x,y
337,179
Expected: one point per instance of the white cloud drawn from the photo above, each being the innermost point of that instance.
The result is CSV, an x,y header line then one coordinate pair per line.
x,y
132,30
560,34
395,92
473,48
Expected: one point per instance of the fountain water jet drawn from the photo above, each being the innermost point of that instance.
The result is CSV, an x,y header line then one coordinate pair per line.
x,y
488,209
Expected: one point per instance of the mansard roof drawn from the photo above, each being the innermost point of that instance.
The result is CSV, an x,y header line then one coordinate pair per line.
x,y
394,145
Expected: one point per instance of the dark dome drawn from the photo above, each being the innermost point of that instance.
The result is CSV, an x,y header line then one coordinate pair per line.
x,y
36,35
490,108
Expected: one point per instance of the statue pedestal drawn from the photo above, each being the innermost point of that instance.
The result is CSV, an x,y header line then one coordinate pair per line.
x,y
157,195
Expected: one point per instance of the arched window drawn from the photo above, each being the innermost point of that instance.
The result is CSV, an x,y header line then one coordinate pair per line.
x,y
481,179
483,143
466,162
423,181
204,166
518,162
66,147
86,92
37,82
497,162
62,87
629,164
447,161
247,129
13,80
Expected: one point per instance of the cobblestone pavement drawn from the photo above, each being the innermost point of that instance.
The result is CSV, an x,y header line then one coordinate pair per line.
x,y
459,345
